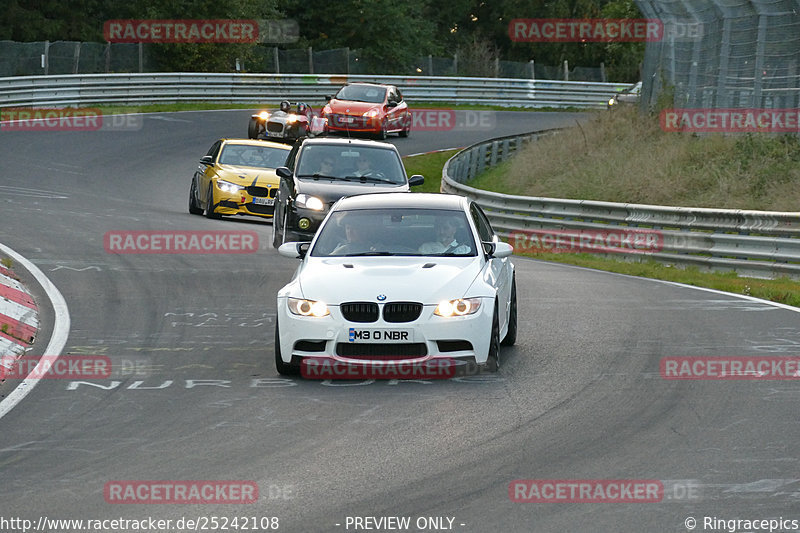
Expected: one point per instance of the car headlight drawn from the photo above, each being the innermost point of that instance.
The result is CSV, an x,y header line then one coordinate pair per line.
x,y
315,308
309,202
372,113
263,115
460,307
227,186
326,110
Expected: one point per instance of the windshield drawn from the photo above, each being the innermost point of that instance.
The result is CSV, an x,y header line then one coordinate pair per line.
x,y
411,232
362,93
352,163
246,155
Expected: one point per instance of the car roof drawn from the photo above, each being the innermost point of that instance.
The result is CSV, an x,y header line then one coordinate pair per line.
x,y
406,200
346,141
257,142
384,85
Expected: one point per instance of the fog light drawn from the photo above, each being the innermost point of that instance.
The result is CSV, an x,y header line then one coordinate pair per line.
x,y
304,223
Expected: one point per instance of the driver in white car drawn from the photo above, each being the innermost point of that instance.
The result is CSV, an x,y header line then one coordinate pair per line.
x,y
446,242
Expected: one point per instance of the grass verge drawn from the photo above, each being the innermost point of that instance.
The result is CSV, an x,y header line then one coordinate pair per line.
x,y
430,166
270,103
624,156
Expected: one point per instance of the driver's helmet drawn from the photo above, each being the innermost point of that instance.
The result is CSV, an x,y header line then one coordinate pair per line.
x,y
285,106
301,107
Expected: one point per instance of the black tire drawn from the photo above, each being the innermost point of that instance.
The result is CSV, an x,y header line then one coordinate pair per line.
x,y
210,203
254,128
384,132
493,360
277,238
193,207
511,334
284,369
405,131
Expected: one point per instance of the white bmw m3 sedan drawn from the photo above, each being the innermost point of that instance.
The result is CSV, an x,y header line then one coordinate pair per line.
x,y
398,278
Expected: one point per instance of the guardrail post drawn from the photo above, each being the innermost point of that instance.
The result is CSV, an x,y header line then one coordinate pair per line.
x,y
533,72
76,57
46,58
141,58
277,60
566,70
310,60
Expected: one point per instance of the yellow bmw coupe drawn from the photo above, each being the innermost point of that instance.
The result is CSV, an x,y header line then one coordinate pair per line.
x,y
237,177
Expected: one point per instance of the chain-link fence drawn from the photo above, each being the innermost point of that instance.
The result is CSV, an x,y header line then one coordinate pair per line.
x,y
70,57
723,54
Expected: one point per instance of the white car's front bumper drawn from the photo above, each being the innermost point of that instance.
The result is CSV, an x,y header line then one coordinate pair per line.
x,y
426,338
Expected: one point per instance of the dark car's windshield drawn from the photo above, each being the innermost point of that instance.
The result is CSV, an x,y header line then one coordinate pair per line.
x,y
352,163
381,232
362,93
247,155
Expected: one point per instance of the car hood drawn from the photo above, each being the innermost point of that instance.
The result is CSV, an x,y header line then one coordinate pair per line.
x,y
332,190
352,108
410,279
246,175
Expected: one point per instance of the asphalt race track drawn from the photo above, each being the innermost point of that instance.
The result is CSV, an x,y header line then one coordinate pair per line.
x,y
195,395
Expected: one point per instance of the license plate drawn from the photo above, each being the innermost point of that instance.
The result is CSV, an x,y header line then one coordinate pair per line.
x,y
348,119
379,335
264,201
275,134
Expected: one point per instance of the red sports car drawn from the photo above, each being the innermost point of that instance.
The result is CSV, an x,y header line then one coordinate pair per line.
x,y
368,108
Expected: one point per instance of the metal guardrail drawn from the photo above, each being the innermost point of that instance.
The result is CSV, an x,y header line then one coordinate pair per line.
x,y
751,243
135,89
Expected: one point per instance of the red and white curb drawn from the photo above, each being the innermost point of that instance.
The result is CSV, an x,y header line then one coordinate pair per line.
x,y
19,318
19,322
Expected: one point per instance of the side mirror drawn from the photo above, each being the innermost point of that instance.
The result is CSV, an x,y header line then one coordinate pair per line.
x,y
415,180
283,173
294,250
497,249
391,103
207,160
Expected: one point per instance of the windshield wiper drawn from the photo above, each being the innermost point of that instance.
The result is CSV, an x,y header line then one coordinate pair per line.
x,y
368,253
317,176
363,179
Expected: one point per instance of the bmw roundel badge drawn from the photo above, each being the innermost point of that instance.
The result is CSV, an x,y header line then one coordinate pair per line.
x,y
381,297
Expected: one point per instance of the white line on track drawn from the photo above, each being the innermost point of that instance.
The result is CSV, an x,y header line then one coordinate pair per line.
x,y
57,340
